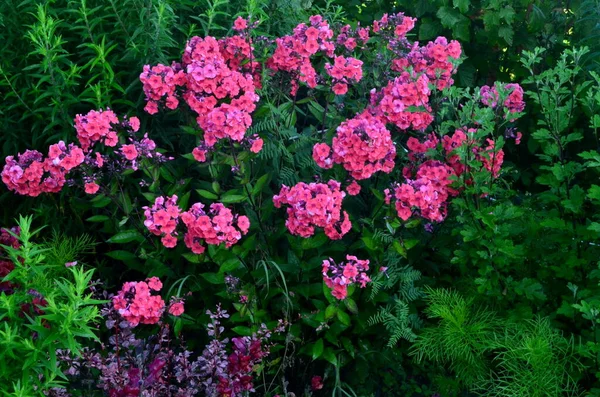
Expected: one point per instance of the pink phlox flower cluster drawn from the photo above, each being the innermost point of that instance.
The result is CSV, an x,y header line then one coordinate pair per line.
x,y
162,219
398,23
160,82
292,54
417,149
514,102
144,148
344,71
96,126
350,39
216,83
399,95
30,174
67,157
137,304
219,225
362,145
338,276
210,80
434,60
314,205
237,52
491,157
428,192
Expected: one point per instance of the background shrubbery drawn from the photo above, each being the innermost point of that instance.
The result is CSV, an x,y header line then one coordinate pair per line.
x,y
501,298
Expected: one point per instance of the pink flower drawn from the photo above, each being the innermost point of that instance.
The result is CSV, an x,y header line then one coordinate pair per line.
x,y
240,24
353,189
363,145
350,271
314,205
316,383
340,88
243,223
339,276
129,151
91,187
154,283
518,138
99,160
199,154
134,122
151,107
257,145
136,304
176,309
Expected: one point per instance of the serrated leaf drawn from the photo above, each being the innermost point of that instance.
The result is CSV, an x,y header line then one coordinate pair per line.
x,y
462,5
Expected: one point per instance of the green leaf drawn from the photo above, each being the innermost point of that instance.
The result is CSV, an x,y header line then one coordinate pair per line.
x,y
233,198
330,311
100,201
343,317
314,242
230,265
351,305
241,330
121,255
98,218
259,184
214,278
506,33
317,349
329,355
428,29
207,194
126,236
193,258
462,5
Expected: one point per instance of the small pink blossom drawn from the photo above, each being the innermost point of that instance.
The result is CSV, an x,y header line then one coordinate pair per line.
x,y
176,309
129,151
91,188
256,145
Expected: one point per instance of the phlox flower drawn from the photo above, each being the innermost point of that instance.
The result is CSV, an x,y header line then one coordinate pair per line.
x,y
314,205
338,276
218,225
362,145
136,304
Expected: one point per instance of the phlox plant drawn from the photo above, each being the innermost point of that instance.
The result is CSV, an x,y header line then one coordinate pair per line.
x,y
334,147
